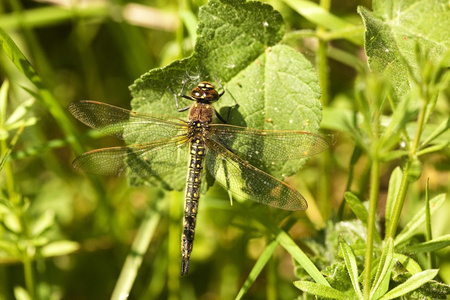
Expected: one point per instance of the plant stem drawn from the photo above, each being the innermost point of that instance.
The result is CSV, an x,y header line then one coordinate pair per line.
x,y
322,65
28,251
173,282
405,183
28,272
373,200
428,232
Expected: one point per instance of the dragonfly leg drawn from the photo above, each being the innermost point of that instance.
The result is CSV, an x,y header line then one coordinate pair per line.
x,y
221,86
222,119
181,95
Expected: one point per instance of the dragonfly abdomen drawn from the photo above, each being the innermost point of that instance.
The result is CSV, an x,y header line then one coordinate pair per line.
x,y
193,183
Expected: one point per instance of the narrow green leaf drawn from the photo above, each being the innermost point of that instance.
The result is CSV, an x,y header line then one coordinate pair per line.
x,y
410,264
429,246
320,290
190,21
18,59
52,15
419,220
12,223
59,248
440,129
411,284
403,113
393,155
356,206
139,247
286,241
20,112
321,17
45,96
393,189
385,265
434,148
4,88
428,231
338,119
21,294
352,267
44,221
257,268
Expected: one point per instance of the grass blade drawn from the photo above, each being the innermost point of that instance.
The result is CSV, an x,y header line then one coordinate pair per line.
x,y
45,96
286,241
418,220
257,268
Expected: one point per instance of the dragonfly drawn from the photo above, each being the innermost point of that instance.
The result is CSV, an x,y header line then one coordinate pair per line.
x,y
229,153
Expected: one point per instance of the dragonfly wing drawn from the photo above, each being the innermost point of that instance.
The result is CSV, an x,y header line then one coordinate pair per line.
x,y
124,124
153,159
247,181
264,146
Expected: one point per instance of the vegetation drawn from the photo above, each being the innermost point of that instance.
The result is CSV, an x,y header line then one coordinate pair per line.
x,y
373,78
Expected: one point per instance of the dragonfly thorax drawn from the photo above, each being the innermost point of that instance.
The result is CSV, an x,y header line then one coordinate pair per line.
x,y
201,112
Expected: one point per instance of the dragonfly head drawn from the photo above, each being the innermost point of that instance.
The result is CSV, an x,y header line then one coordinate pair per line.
x,y
205,93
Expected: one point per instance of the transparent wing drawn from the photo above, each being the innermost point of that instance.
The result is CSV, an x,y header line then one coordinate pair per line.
x,y
260,146
124,124
155,159
247,181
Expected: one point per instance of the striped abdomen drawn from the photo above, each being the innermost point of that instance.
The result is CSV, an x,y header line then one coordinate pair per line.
x,y
197,153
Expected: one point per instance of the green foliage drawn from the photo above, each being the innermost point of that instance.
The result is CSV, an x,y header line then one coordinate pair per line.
x,y
63,235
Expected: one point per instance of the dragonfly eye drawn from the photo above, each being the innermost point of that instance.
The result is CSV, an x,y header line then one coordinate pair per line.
x,y
205,86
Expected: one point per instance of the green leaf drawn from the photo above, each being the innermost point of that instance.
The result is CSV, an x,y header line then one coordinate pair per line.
x,y
295,251
394,29
12,223
20,112
410,264
394,187
352,266
320,290
21,294
356,206
418,220
429,246
439,130
45,96
45,221
59,248
257,268
233,33
385,265
411,284
340,119
321,17
403,113
269,86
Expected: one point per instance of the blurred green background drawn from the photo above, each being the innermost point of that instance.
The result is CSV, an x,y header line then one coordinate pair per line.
x,y
95,50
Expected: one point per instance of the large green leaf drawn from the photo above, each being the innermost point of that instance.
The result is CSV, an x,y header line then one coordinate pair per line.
x,y
269,86
394,29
